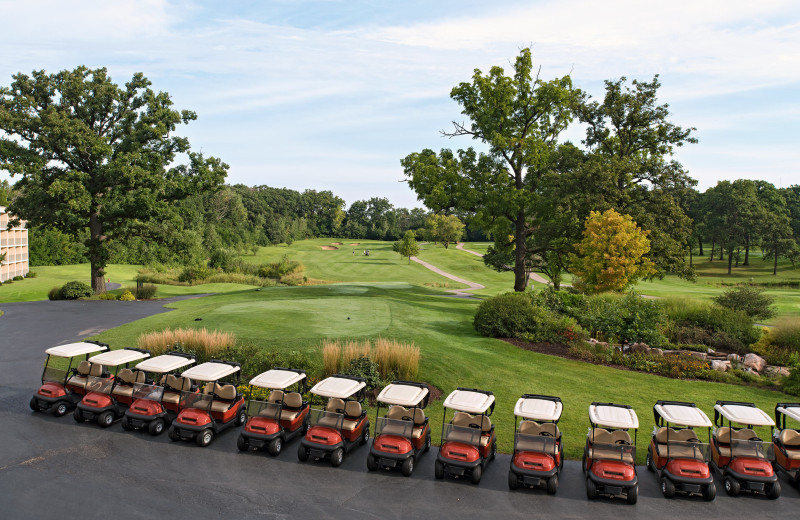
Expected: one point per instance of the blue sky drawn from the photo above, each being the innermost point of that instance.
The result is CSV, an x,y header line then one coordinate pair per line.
x,y
332,94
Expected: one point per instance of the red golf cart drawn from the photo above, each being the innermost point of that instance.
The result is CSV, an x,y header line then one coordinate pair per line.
x,y
282,417
787,441
676,454
109,395
538,456
403,433
468,440
342,425
62,388
609,455
216,408
739,454
157,403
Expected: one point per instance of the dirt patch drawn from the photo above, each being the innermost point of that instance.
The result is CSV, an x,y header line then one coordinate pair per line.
x,y
435,393
329,248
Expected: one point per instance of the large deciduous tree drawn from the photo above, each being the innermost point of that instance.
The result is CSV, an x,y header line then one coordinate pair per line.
x,y
446,229
518,118
95,155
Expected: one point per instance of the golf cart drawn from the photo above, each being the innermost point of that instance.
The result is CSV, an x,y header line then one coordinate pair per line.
x,y
676,453
109,395
158,402
737,452
279,419
538,456
609,456
62,389
468,440
787,441
342,425
218,407
403,433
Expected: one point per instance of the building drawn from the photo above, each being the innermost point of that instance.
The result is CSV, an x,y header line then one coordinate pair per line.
x,y
14,243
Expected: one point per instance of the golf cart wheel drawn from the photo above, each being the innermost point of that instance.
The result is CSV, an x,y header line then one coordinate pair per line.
x,y
106,419
667,487
365,436
494,450
241,418
173,434
126,424
155,427
552,484
275,446
591,489
77,415
732,486
34,404
651,467
427,443
709,492
438,470
408,467
513,481
633,495
242,444
774,491
337,456
205,437
302,453
61,408
477,473
583,463
372,463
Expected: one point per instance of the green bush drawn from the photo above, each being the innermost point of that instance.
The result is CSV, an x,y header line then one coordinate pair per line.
x,y
108,296
366,368
280,269
126,296
54,294
145,292
718,327
31,274
750,300
255,360
631,319
507,316
195,274
561,302
18,278
220,259
791,384
786,333
75,290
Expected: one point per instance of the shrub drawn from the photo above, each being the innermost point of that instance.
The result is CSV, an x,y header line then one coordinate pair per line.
x,y
354,350
75,290
220,259
561,302
293,279
7,282
631,319
791,384
712,325
31,274
366,368
18,278
108,296
280,269
146,291
204,345
255,360
126,296
786,333
750,300
507,316
195,274
54,294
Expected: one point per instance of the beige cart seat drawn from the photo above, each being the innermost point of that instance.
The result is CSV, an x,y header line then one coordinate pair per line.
x,y
175,385
352,413
85,369
127,378
225,396
791,441
419,423
292,406
601,438
275,396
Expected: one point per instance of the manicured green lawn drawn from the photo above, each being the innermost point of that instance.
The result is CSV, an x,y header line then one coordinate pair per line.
x,y
469,267
34,289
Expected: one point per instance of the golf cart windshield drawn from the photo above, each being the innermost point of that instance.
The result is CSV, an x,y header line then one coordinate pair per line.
x,y
325,418
685,450
53,375
537,443
463,434
196,400
752,449
386,426
621,452
99,384
148,392
263,409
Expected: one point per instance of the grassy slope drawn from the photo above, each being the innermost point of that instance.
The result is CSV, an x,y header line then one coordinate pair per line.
x,y
33,289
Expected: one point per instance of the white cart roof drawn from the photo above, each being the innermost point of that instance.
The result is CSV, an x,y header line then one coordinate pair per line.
x,y
793,412
538,409
468,401
613,416
404,395
744,414
164,363
339,387
115,358
277,378
210,371
683,415
75,349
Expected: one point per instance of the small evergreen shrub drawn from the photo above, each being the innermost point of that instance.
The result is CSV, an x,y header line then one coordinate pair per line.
x,y
75,290
366,368
108,296
54,294
126,296
18,278
749,300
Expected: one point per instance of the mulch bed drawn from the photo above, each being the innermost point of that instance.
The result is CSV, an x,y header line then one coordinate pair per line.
x,y
561,350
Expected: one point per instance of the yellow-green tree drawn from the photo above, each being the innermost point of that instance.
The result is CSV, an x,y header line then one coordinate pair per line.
x,y
611,256
445,229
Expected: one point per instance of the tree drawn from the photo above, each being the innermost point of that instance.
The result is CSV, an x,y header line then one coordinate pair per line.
x,y
611,255
407,246
92,154
750,300
445,229
734,213
518,118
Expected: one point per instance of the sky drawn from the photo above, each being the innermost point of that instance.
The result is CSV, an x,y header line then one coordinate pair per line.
x,y
331,95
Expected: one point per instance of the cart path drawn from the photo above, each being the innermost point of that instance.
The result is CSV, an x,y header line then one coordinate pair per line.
x,y
535,277
460,293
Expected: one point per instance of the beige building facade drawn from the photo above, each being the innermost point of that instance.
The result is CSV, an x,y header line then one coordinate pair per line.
x,y
14,243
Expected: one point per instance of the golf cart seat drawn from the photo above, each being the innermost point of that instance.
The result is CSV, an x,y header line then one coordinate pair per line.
x,y
397,413
127,378
672,443
174,386
687,435
419,423
292,406
466,420
275,396
549,430
335,405
226,394
529,427
600,436
791,442
82,373
352,413
533,429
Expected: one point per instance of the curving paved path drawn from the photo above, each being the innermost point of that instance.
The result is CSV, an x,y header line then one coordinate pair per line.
x,y
534,276
460,293
51,467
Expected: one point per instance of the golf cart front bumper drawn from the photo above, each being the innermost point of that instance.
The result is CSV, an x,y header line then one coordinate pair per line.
x,y
91,413
139,420
688,484
45,402
386,459
318,450
613,487
532,477
457,468
259,440
754,483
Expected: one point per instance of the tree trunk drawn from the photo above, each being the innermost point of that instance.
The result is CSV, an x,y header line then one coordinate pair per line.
x,y
730,259
97,254
520,276
700,243
775,265
713,248
738,254
722,252
747,250
691,263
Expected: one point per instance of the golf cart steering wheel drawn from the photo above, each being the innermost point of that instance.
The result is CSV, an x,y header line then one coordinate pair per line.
x,y
546,434
474,425
622,442
405,418
278,401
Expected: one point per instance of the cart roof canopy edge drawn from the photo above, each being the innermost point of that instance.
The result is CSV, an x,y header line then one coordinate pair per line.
x,y
337,387
539,408
164,363
744,413
211,371
613,415
115,358
682,414
278,378
791,410
76,349
402,394
470,401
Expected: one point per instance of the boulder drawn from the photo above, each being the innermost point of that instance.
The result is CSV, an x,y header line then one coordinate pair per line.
x,y
698,355
721,366
734,358
657,351
755,362
776,371
639,348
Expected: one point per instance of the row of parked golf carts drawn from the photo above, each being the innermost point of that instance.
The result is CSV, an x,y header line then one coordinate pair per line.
x,y
198,402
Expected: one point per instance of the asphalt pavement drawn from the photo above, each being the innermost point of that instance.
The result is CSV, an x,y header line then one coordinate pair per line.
x,y
53,467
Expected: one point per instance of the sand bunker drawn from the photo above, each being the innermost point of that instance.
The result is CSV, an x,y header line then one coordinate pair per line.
x,y
337,243
356,244
329,248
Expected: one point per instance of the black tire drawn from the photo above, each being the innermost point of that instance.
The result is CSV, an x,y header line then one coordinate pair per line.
x,y
513,480
633,495
667,487
372,463
651,467
34,404
732,487
591,489
365,435
173,434
60,409
583,463
494,450
106,419
438,470
204,438
156,427
709,492
477,473
302,453
774,491
427,443
337,457
126,423
552,484
275,446
242,444
77,415
408,467
241,416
